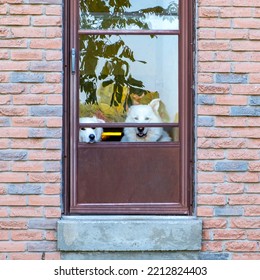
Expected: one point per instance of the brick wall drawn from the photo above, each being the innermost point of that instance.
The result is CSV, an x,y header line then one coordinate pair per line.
x,y
228,133
30,127
228,190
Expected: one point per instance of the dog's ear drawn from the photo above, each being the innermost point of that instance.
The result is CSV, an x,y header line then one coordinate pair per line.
x,y
155,104
100,121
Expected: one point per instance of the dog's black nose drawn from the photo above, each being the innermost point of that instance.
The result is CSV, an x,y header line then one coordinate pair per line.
x,y
140,129
91,136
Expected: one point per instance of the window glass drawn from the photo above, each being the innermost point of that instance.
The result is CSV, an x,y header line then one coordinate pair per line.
x,y
129,14
119,71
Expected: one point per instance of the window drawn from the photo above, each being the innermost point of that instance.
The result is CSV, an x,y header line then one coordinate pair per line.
x,y
128,105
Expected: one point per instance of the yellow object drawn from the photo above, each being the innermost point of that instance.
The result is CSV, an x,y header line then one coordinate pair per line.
x,y
111,133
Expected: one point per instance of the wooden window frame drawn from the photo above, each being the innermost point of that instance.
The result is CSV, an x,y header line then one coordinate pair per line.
x,y
71,126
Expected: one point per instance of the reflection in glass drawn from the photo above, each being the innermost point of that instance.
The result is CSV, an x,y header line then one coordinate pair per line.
x,y
119,71
129,14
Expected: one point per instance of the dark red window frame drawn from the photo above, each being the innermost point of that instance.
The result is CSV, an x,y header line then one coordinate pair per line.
x,y
185,149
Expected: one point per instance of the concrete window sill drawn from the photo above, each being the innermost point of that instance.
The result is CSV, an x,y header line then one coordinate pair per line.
x,y
129,237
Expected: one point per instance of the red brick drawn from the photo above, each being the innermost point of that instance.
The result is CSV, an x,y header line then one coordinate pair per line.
x,y
23,235
4,235
214,23
208,177
244,199
12,246
253,234
215,110
14,200
28,166
52,212
226,234
26,256
217,3
214,45
205,188
4,212
14,66
26,212
53,10
52,189
47,21
242,154
55,122
214,89
233,12
212,246
14,132
54,99
213,132
26,55
29,99
214,223
210,154
227,188
27,143
246,223
13,224
51,235
52,256
205,166
28,32
203,211
230,121
44,155
28,122
12,177
46,44
53,78
246,256
218,67
246,23
208,12
25,10
37,200
53,32
245,177
254,166
253,188
53,55
241,246
46,89
211,200
14,20
231,100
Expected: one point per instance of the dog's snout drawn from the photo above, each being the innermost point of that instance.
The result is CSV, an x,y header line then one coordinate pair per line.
x,y
91,137
140,129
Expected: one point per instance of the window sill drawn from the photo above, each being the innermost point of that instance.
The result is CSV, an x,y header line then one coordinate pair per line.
x,y
129,237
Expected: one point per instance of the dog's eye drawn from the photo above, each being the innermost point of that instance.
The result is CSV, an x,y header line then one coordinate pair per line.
x,y
136,118
147,118
83,128
93,128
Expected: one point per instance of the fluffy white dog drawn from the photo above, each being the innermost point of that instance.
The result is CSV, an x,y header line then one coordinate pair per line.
x,y
90,134
145,114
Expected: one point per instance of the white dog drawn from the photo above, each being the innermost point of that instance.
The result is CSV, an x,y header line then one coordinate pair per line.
x,y
145,114
90,134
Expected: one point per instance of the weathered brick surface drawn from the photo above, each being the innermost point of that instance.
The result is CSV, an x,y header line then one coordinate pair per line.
x,y
228,128
228,100
30,127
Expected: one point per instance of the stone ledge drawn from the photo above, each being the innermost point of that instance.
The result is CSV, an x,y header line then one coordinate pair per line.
x,y
129,234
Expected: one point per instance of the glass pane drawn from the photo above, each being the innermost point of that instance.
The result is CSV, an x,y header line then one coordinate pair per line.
x,y
117,72
91,134
129,14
